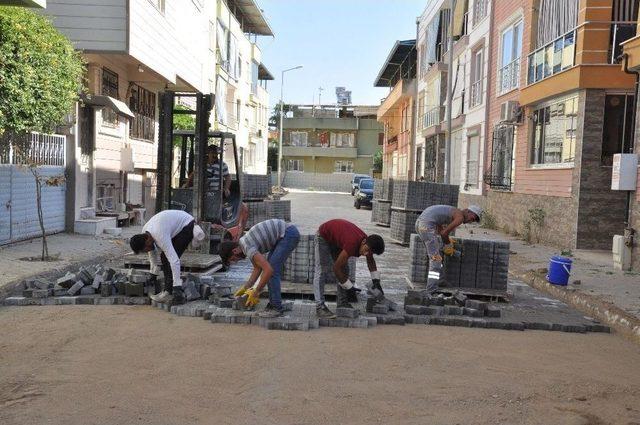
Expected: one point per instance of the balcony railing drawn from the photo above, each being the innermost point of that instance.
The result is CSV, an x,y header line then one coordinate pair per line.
x,y
432,116
620,32
510,76
554,57
476,94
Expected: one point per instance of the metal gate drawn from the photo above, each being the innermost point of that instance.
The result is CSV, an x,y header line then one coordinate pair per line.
x,y
18,206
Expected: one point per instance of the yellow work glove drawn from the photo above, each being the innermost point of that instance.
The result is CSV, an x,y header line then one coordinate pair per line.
x,y
240,292
253,297
448,249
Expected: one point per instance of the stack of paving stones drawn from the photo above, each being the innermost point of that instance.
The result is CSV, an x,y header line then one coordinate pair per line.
x,y
255,189
482,265
278,208
300,265
410,198
89,285
381,205
386,311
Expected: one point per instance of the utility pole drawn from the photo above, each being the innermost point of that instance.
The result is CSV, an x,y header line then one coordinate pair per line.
x,y
281,122
320,97
447,151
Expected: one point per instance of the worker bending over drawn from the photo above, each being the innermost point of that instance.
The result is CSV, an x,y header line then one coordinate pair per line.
x,y
167,235
434,226
278,239
336,241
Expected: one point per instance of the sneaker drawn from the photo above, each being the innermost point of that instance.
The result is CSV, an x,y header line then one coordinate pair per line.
x,y
162,297
270,313
323,312
178,296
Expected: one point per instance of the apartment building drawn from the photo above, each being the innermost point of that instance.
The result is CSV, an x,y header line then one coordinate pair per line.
x,y
323,145
557,118
398,110
242,100
133,50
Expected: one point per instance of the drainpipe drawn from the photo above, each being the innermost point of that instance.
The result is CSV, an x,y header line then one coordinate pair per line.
x,y
485,152
628,231
447,152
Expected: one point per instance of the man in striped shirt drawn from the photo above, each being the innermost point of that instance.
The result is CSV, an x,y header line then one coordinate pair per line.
x,y
275,237
213,173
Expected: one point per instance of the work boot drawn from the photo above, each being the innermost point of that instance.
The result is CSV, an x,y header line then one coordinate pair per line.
x,y
178,296
162,297
270,312
323,312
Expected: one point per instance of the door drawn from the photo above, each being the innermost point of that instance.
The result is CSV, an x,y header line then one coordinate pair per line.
x,y
5,203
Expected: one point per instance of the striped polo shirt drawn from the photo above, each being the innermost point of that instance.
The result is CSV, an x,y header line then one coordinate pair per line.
x,y
213,174
262,237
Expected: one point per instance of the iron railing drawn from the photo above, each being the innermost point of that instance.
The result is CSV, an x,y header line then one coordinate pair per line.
x,y
476,94
554,57
33,148
433,116
510,76
620,32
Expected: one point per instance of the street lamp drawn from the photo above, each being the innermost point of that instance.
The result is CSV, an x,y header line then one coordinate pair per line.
x,y
281,120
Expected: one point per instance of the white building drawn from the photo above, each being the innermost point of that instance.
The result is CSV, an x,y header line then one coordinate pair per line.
x,y
242,101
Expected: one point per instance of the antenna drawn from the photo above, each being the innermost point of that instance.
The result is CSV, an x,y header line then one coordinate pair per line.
x,y
320,89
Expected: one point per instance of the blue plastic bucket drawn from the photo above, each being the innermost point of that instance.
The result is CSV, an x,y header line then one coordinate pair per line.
x,y
559,270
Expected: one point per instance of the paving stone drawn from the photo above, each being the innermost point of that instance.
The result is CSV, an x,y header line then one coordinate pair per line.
x,y
85,276
97,281
65,300
437,301
134,290
75,289
472,312
460,298
415,309
42,293
391,305
476,305
135,300
27,293
416,319
574,328
106,289
191,291
380,309
41,284
67,280
85,299
452,310
107,301
59,291
226,302
538,326
351,313
21,301
493,312
87,290
390,320
370,303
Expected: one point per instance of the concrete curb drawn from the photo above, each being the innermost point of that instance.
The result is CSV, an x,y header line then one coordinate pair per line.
x,y
7,289
626,324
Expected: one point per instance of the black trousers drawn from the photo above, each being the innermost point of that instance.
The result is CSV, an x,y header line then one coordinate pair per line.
x,y
180,243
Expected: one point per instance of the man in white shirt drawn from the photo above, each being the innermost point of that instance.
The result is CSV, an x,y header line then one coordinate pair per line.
x,y
165,237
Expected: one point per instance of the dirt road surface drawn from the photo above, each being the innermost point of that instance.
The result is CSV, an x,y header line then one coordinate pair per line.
x,y
138,365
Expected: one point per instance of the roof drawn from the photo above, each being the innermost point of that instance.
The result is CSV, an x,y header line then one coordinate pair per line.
x,y
102,101
399,53
263,73
250,16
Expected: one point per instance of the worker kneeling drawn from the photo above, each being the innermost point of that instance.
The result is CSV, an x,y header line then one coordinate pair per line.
x,y
165,237
277,238
434,226
336,241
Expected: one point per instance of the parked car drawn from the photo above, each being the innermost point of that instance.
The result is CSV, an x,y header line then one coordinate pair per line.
x,y
355,180
364,194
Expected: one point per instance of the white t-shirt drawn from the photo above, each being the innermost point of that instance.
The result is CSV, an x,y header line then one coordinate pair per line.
x,y
163,227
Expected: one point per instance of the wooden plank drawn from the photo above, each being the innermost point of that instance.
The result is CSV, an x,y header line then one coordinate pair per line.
x,y
305,289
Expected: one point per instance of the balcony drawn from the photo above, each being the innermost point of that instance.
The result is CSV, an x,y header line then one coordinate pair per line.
x,y
402,90
555,57
620,33
476,94
433,116
509,77
321,123
319,151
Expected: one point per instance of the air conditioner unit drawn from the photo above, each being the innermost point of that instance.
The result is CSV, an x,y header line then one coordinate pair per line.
x,y
510,111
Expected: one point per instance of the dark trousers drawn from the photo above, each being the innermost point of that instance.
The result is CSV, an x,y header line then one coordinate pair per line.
x,y
180,243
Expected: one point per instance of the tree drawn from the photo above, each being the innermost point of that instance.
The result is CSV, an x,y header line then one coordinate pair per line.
x,y
377,161
40,79
182,122
274,119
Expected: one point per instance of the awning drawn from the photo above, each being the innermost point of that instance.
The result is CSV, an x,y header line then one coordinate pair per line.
x,y
399,53
101,101
263,73
250,17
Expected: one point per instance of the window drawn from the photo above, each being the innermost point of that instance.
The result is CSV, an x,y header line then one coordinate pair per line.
x,y
143,105
159,4
238,110
254,77
343,166
298,138
380,139
617,134
554,133
477,64
109,88
552,58
342,140
222,39
480,8
510,51
473,153
499,176
251,155
295,165
212,36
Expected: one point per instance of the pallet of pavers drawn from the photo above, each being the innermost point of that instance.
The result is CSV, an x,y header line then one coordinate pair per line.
x,y
410,198
278,208
482,267
381,204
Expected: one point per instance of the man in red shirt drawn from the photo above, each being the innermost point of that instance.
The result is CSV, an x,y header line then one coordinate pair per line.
x,y
336,241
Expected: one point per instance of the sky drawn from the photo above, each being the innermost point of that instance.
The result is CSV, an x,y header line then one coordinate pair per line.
x,y
338,43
